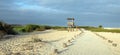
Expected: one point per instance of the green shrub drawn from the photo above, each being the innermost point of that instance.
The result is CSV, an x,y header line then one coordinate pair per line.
x,y
22,30
30,27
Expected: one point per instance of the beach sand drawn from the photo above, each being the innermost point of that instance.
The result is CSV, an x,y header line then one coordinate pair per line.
x,y
57,43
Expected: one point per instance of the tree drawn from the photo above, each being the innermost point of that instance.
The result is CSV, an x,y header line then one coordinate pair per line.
x,y
100,26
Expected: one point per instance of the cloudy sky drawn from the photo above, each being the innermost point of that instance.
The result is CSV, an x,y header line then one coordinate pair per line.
x,y
55,12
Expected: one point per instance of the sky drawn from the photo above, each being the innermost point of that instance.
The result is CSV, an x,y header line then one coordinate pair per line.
x,y
56,12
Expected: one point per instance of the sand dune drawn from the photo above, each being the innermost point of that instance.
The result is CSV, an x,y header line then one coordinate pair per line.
x,y
31,44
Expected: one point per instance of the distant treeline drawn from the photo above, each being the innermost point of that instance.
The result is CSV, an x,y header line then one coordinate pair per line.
x,y
100,28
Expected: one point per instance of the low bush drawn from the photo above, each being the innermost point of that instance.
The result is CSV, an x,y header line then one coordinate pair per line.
x,y
6,28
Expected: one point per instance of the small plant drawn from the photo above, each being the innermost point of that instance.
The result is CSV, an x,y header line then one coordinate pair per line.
x,y
69,41
64,45
55,50
114,44
110,41
36,40
17,53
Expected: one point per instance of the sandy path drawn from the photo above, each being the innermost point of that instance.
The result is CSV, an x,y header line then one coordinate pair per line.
x,y
87,44
111,40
